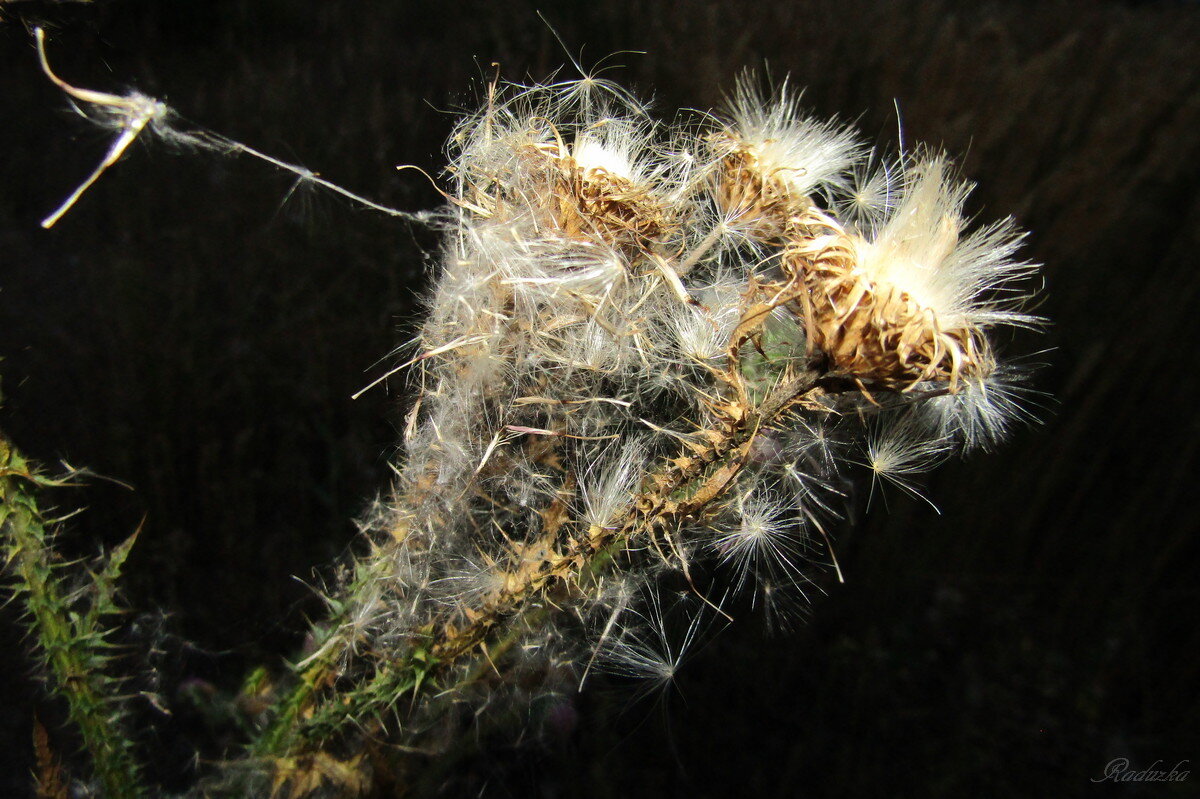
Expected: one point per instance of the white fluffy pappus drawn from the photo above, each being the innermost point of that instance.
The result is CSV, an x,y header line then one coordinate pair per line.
x,y
701,332
805,154
618,147
551,270
984,409
921,250
652,643
870,194
606,487
900,449
760,537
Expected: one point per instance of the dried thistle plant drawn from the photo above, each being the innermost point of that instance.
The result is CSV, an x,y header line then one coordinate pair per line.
x,y
652,353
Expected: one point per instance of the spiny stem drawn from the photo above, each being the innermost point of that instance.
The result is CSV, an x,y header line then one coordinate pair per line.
x,y
71,645
659,505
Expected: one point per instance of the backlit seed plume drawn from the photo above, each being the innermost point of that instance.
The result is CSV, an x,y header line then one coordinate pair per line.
x,y
899,450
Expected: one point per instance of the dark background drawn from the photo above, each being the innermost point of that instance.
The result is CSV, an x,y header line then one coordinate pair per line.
x,y
187,332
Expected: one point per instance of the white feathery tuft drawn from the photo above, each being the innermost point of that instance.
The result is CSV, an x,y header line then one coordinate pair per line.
x,y
760,538
899,450
606,487
806,154
920,249
984,410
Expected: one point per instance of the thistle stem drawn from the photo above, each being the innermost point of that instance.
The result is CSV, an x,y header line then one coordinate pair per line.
x,y
69,644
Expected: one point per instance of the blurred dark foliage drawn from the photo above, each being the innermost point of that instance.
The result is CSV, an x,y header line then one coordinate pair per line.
x,y
189,332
